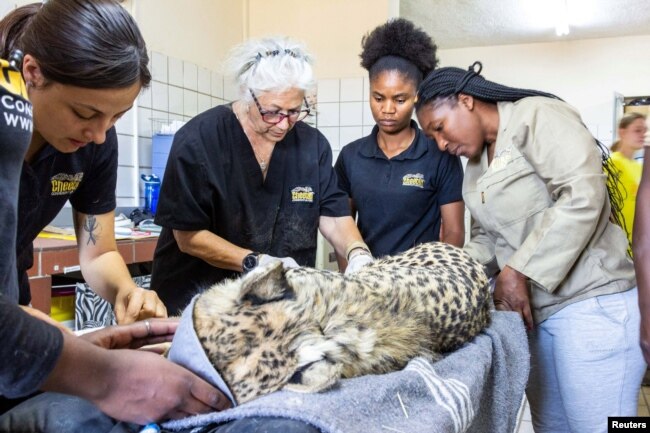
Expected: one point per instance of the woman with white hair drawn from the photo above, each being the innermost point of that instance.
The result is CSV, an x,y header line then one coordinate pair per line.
x,y
247,183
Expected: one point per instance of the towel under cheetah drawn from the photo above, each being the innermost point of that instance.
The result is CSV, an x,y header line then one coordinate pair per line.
x,y
303,328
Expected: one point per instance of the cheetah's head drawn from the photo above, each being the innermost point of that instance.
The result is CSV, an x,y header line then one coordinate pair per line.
x,y
261,338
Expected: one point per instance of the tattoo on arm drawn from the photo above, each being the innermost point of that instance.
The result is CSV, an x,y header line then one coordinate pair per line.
x,y
90,225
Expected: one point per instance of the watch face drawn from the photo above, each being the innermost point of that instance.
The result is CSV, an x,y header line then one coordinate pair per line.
x,y
250,261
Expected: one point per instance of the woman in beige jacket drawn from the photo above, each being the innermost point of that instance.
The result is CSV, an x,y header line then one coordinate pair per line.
x,y
536,189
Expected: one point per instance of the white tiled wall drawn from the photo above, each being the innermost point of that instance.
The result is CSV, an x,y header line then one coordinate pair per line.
x,y
190,76
343,113
179,90
352,90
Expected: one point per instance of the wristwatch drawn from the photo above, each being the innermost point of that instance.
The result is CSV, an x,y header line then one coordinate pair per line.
x,y
250,262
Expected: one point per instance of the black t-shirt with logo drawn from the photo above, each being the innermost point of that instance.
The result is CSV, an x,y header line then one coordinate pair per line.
x,y
87,178
30,347
213,182
15,133
398,200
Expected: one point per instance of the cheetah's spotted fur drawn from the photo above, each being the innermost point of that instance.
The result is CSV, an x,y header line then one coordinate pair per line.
x,y
304,328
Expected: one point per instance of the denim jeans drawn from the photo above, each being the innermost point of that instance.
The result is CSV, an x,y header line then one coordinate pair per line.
x,y
57,413
586,365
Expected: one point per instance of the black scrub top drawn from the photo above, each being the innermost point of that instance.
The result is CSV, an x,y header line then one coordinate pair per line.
x,y
398,199
87,177
213,182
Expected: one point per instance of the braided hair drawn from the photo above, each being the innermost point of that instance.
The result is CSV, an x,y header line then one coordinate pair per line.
x,y
449,82
398,45
444,85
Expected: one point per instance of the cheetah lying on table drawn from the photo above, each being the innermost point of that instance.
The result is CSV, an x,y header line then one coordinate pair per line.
x,y
302,329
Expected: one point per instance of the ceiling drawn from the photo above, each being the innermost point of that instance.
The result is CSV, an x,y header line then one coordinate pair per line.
x,y
471,23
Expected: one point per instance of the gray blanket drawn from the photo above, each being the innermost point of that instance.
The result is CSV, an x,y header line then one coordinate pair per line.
x,y
478,388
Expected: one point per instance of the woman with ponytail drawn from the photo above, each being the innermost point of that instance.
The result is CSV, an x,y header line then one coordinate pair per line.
x,y
84,63
543,219
68,70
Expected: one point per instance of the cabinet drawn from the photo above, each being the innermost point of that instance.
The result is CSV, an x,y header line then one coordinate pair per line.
x,y
59,257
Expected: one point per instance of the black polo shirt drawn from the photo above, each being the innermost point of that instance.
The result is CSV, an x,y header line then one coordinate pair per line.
x,y
30,347
86,177
398,200
213,182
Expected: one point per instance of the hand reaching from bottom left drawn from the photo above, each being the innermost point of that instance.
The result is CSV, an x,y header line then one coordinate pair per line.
x,y
131,385
135,335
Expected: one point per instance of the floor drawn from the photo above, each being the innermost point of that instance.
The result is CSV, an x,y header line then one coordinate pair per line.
x,y
526,426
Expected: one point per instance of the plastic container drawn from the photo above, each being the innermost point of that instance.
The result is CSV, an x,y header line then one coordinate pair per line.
x,y
151,192
160,146
62,308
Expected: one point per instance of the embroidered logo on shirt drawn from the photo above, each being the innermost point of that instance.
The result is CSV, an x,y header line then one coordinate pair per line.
x,y
16,109
416,179
302,194
63,183
501,159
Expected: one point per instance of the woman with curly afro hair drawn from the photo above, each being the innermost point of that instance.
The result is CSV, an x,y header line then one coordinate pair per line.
x,y
400,184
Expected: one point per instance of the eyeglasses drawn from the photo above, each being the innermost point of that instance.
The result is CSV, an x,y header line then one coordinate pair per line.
x,y
275,117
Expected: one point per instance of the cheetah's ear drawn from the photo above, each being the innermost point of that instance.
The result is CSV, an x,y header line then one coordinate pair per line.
x,y
265,284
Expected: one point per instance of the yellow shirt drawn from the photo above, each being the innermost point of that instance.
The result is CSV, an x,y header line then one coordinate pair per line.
x,y
630,176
